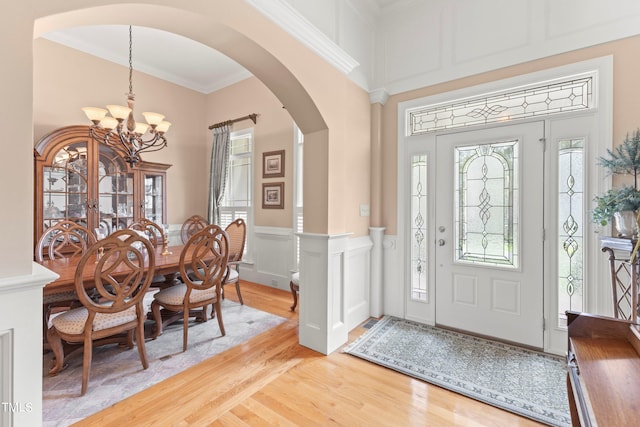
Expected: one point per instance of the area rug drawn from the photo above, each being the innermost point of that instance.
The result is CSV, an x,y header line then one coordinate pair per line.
x,y
525,382
116,373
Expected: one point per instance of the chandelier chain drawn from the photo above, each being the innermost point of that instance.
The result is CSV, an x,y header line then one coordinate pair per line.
x,y
130,61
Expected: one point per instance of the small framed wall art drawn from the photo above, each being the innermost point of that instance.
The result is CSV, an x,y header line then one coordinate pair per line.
x,y
273,195
273,164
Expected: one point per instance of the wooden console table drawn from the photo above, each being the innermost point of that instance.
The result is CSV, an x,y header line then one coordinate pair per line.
x,y
624,276
603,378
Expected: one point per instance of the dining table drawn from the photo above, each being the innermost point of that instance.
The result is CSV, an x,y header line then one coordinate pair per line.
x,y
167,263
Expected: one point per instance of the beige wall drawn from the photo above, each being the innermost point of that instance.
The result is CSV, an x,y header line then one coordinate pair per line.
x,y
626,108
16,144
319,98
65,80
61,73
273,131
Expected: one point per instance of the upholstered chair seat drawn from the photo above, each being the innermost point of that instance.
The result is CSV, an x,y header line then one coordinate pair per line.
x,y
233,275
175,295
295,287
73,321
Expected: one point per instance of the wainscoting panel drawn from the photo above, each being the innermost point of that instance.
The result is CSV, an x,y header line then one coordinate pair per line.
x,y
323,308
6,374
357,280
22,336
271,260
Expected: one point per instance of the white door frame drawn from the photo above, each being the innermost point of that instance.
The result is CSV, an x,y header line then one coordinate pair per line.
x,y
598,299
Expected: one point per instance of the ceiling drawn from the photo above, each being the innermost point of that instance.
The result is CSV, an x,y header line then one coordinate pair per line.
x,y
182,61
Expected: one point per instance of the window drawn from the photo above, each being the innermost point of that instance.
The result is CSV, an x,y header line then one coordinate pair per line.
x,y
237,200
571,208
486,198
564,95
419,226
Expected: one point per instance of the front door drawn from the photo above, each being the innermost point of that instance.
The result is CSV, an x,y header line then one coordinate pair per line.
x,y
489,232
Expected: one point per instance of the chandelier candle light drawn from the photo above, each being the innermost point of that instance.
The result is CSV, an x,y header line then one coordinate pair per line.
x,y
123,132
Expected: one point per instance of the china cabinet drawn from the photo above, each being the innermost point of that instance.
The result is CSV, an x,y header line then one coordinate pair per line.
x,y
80,179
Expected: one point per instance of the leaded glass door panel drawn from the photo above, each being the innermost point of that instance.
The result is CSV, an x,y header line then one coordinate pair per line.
x,y
489,232
65,186
115,191
420,176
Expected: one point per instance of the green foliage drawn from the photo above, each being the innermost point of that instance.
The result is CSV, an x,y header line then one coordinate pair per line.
x,y
623,160
615,200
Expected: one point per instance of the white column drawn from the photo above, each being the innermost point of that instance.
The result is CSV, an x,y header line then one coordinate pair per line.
x,y
322,318
377,295
21,347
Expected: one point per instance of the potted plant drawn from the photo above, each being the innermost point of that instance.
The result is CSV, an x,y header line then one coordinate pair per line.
x,y
621,203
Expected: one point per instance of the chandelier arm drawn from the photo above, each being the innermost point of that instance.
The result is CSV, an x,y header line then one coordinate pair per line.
x,y
155,144
115,144
129,135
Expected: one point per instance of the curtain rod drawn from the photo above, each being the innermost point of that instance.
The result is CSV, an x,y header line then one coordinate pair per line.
x,y
253,117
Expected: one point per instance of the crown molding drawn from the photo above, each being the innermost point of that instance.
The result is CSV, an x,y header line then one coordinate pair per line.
x,y
290,20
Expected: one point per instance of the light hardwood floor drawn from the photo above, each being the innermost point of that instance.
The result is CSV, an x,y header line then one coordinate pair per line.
x,y
272,380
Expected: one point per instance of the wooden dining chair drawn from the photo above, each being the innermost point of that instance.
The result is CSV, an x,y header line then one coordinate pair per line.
x,y
237,232
62,240
158,238
294,285
191,226
65,239
202,266
121,275
153,231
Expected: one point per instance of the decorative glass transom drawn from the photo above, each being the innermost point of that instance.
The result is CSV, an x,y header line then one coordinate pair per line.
x,y
571,210
419,224
486,201
542,99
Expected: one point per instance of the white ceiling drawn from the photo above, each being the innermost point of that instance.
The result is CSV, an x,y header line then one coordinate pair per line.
x,y
159,53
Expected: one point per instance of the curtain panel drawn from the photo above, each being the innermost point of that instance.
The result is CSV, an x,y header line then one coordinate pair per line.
x,y
218,171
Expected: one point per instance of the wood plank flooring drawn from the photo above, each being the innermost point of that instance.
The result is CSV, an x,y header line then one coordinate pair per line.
x,y
272,380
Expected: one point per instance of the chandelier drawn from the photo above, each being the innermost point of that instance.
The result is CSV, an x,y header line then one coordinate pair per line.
x,y
122,132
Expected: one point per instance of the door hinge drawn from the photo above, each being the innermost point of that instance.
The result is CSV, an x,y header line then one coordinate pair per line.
x,y
544,324
544,234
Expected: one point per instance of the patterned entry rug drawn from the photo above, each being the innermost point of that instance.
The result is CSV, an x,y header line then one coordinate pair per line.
x,y
525,382
116,373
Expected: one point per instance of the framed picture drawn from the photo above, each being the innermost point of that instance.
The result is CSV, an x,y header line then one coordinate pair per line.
x,y
273,164
273,195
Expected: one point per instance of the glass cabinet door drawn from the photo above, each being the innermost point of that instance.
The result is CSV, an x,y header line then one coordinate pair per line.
x,y
65,186
115,192
154,197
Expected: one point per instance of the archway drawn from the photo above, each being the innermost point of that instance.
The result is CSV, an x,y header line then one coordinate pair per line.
x,y
280,63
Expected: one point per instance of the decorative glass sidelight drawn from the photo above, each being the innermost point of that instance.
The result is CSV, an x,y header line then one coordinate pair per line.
x,y
571,208
419,215
486,204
